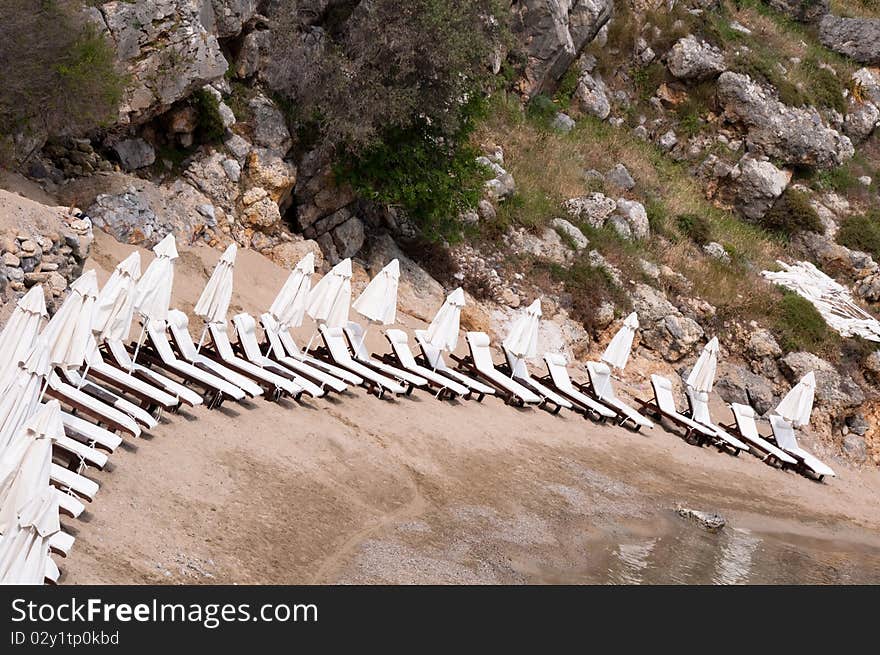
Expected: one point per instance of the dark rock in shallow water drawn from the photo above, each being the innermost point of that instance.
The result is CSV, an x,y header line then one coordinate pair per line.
x,y
709,521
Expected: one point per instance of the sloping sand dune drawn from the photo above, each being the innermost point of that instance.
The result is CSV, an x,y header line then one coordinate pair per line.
x,y
414,490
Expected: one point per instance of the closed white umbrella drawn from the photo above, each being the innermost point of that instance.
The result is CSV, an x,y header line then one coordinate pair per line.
x,y
797,405
25,546
617,353
378,302
152,295
702,375
289,307
442,333
67,333
522,340
19,333
114,308
329,299
213,304
23,396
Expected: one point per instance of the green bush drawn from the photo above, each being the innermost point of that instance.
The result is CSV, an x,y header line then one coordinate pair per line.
x,y
648,78
799,325
791,214
567,86
589,287
861,232
209,122
825,89
695,227
541,110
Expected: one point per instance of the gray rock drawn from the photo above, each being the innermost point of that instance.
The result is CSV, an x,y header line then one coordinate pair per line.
x,y
716,251
502,185
710,521
640,132
269,125
620,225
791,135
861,119
486,210
857,424
593,97
619,176
761,344
857,38
833,390
233,169
758,183
634,213
553,33
349,237
594,208
231,15
572,232
804,11
690,59
855,448
665,330
668,141
563,123
866,83
737,384
134,154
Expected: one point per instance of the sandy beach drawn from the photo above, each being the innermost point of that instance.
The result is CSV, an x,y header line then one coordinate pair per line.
x,y
353,489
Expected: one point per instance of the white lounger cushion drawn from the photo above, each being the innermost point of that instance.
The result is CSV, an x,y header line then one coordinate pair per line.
x,y
479,346
355,335
293,350
156,333
73,481
666,402
123,361
400,345
70,504
745,418
179,325
52,572
335,340
102,409
434,357
699,402
92,433
107,397
123,379
61,542
276,348
246,327
600,379
557,367
521,372
785,437
85,453
220,337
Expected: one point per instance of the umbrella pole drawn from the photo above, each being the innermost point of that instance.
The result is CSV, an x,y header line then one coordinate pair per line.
x,y
82,379
309,344
43,390
202,338
138,347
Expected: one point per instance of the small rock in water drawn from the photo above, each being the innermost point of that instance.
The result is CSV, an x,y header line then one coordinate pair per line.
x,y
710,521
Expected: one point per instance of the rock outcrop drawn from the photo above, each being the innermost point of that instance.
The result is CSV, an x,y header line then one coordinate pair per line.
x,y
857,38
691,59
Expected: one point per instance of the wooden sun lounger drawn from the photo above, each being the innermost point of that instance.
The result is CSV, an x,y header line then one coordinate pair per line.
x,y
83,403
518,369
746,428
336,350
557,376
401,356
274,385
152,398
808,464
293,350
89,433
121,359
663,407
480,363
249,347
276,353
96,391
67,479
698,405
61,543
181,339
432,359
69,504
602,390
354,334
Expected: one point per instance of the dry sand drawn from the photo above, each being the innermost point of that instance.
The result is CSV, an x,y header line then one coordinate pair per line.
x,y
413,490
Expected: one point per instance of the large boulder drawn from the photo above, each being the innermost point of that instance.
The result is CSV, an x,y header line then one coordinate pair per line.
x,y
231,15
664,329
593,208
795,136
857,38
834,391
691,59
269,125
592,94
636,217
804,11
737,384
168,48
757,185
553,33
418,294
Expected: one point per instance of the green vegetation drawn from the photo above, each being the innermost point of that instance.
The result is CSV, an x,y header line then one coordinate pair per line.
x,y
799,326
861,232
589,287
791,214
209,122
695,227
61,82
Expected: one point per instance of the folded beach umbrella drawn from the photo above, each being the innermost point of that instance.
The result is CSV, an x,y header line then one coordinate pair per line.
x,y
289,307
24,546
378,302
152,295
22,398
797,405
442,333
114,307
522,340
329,299
617,353
213,304
26,463
702,376
67,333
19,333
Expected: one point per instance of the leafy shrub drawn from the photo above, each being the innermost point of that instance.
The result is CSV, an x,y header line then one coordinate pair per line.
x,y
589,287
658,216
792,213
799,325
648,78
861,232
57,74
541,110
696,227
209,122
840,179
433,256
825,89
567,86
